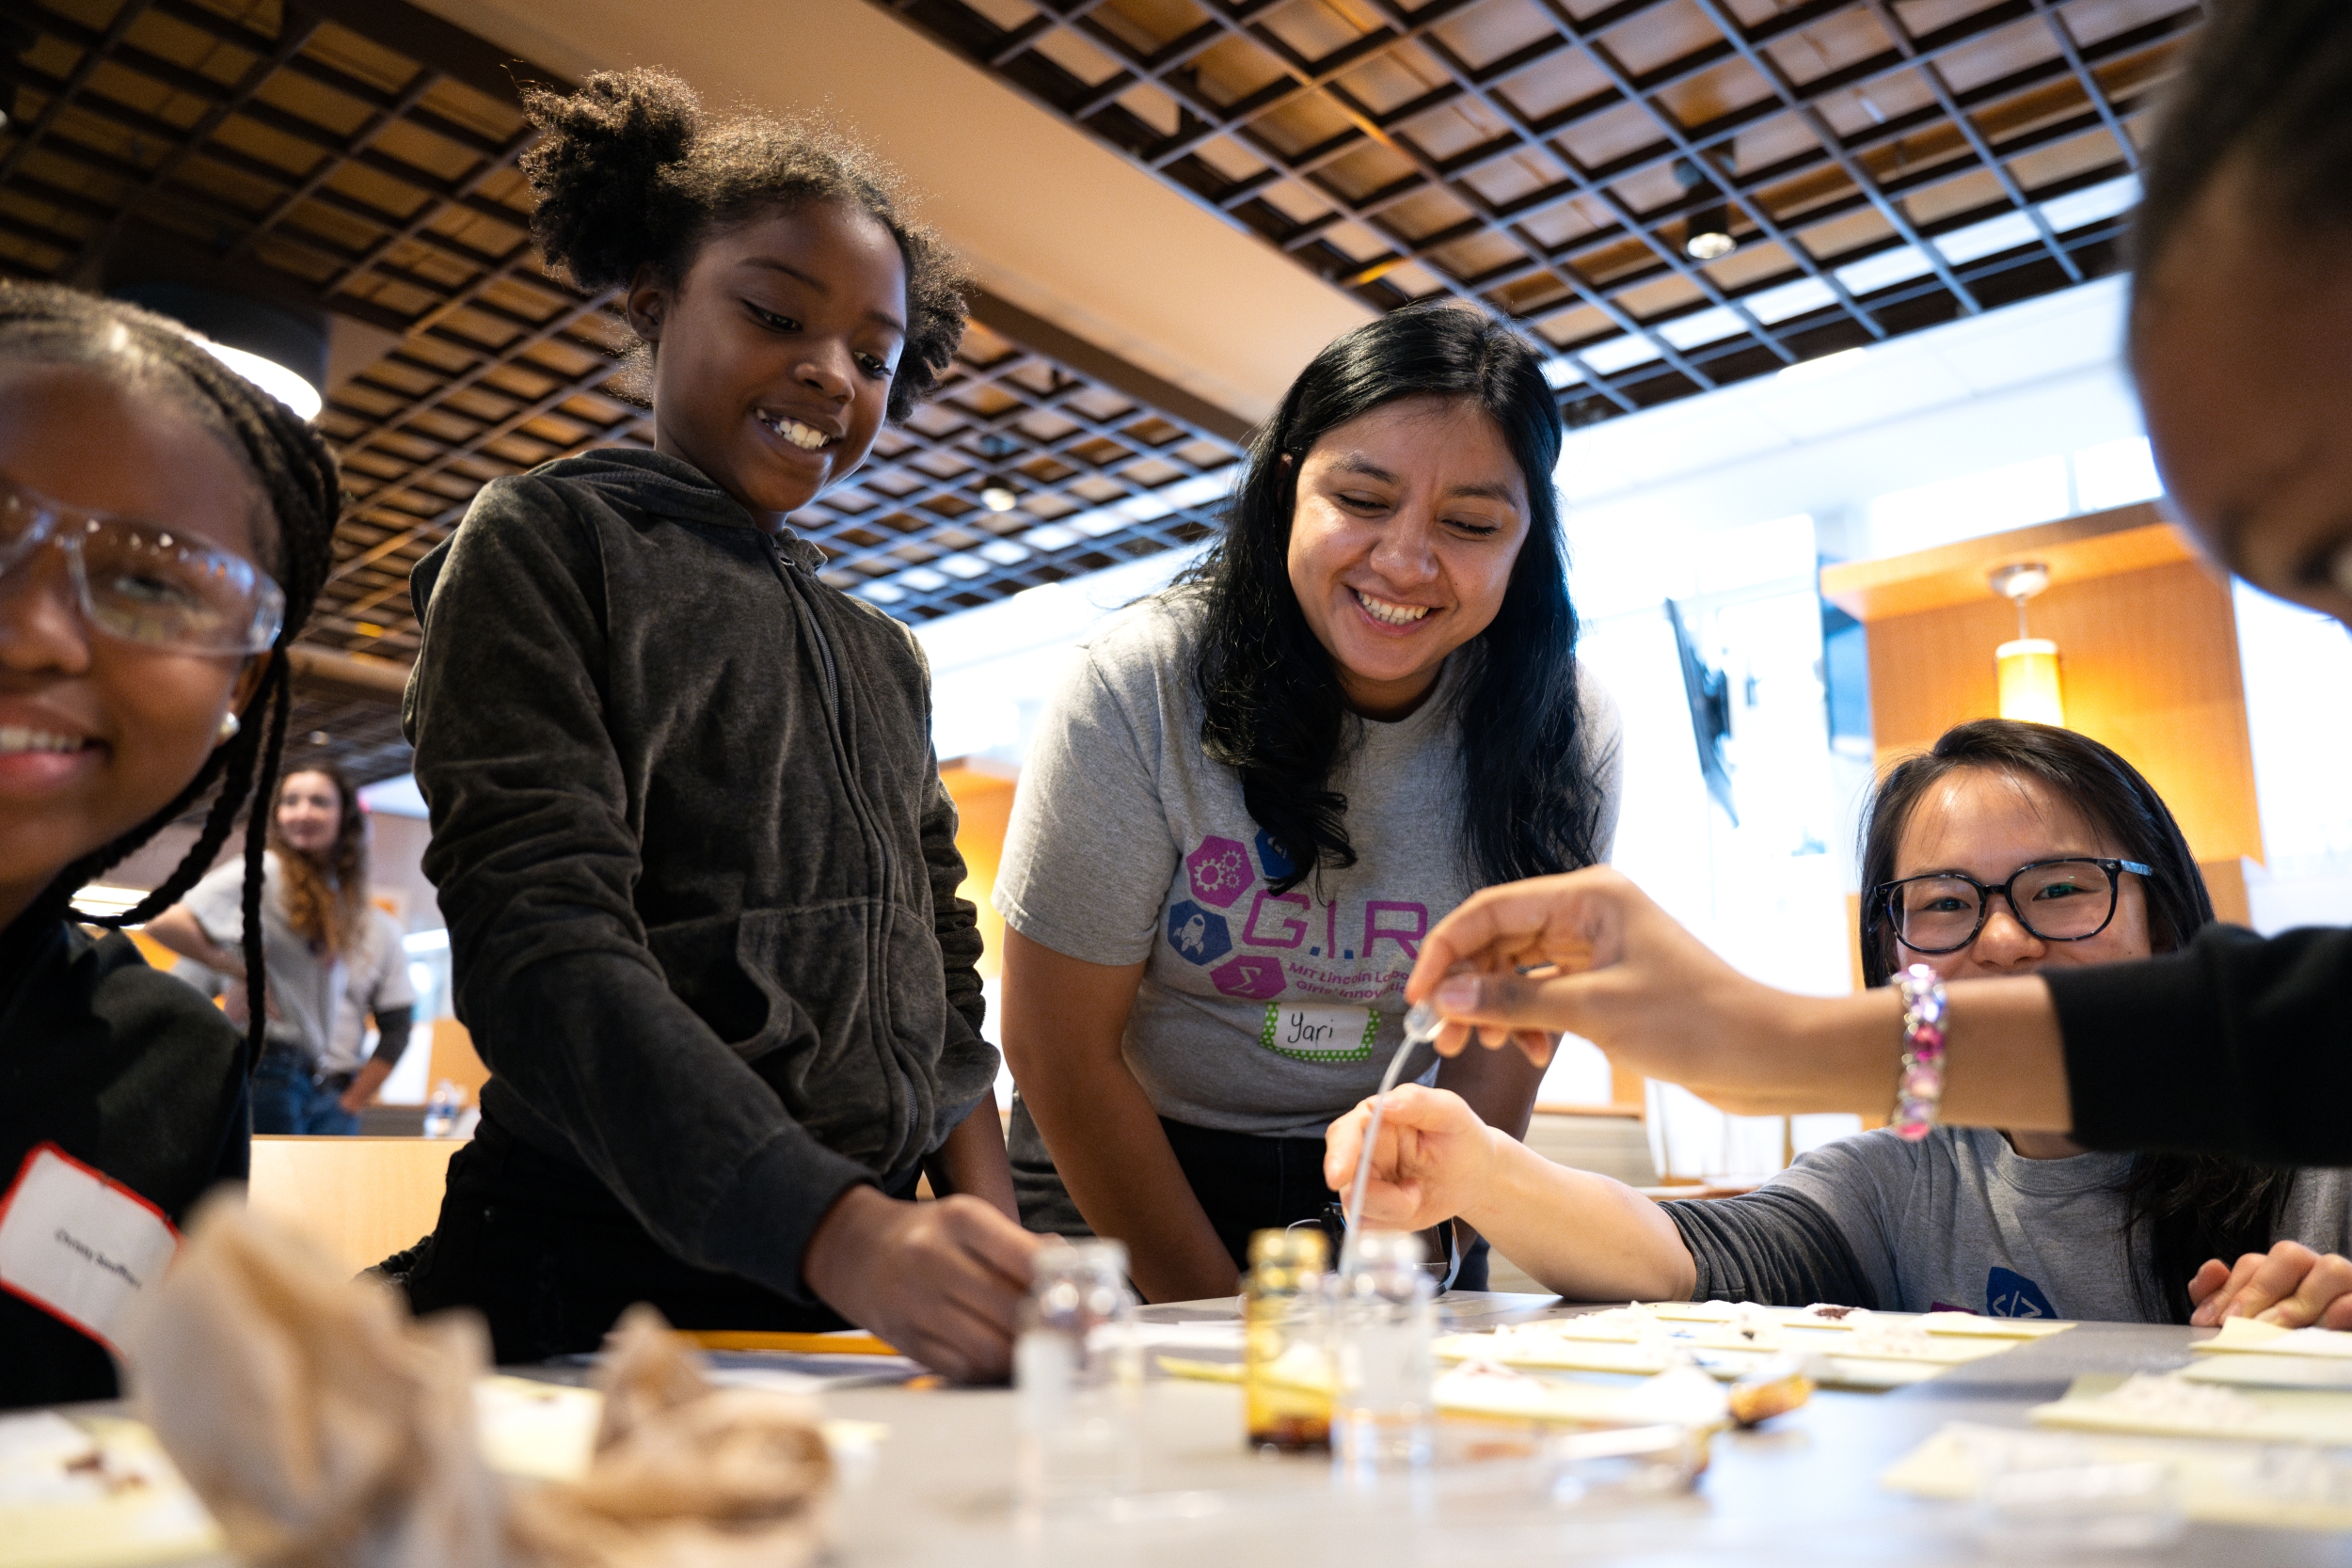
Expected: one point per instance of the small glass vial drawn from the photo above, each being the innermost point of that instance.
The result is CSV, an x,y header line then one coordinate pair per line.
x,y
1384,1320
1076,1381
442,1111
1286,1372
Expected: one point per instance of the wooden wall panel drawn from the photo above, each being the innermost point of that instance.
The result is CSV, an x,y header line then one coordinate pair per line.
x,y
983,811
2149,660
360,1199
454,1061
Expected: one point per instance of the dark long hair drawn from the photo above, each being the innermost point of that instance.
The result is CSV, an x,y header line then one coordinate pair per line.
x,y
294,475
1274,712
2180,1210
326,896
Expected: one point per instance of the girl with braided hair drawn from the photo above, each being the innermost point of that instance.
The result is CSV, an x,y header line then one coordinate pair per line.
x,y
699,868
165,526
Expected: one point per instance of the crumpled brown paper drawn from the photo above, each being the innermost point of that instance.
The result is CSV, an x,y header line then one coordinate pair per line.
x,y
684,1474
321,1426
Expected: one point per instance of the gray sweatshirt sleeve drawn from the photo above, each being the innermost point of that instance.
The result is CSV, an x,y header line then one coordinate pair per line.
x,y
535,859
1772,1246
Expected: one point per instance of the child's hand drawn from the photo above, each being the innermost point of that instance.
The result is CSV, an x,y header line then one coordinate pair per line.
x,y
2290,1284
940,1280
1426,1166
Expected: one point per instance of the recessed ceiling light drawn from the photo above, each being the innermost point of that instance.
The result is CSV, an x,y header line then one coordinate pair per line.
x,y
1708,236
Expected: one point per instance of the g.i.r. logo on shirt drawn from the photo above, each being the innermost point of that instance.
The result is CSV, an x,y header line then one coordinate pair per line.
x,y
1354,950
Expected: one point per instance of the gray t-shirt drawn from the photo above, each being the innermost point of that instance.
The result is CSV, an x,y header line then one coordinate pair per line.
x,y
306,986
1257,1012
1956,1220
376,979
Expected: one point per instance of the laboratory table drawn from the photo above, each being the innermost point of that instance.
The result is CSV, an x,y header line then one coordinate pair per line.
x,y
937,1489
1801,1490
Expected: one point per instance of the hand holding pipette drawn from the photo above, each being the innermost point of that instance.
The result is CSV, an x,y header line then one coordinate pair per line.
x,y
1421,1163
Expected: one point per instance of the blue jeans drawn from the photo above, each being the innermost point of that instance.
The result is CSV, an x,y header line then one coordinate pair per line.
x,y
286,1100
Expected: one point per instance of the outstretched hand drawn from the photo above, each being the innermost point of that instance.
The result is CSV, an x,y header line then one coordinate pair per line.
x,y
941,1281
1426,1167
2290,1284
1591,954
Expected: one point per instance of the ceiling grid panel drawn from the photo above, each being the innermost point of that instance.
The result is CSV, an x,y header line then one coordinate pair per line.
x,y
359,158
1887,164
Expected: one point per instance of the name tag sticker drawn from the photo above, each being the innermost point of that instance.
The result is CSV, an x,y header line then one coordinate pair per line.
x,y
1320,1034
82,1248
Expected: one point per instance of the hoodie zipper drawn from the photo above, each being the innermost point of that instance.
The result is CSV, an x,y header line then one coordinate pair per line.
x,y
788,571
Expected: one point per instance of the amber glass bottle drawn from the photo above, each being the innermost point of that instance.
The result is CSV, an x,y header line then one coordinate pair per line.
x,y
1286,1369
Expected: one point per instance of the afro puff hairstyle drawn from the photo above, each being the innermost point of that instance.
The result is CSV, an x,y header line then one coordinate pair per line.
x,y
630,171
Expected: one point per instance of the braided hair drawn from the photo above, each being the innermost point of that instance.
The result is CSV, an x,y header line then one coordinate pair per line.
x,y
629,172
45,324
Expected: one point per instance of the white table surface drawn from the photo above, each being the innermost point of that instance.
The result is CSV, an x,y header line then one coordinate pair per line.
x,y
1801,1491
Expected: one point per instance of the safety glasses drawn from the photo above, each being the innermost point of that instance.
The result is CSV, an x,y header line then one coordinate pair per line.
x,y
144,582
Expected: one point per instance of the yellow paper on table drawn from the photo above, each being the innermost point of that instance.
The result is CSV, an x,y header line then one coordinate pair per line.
x,y
93,1491
1969,1325
1883,1352
1562,1352
2270,1371
2163,1405
2244,1335
1681,1397
1835,1318
1497,1392
2232,1483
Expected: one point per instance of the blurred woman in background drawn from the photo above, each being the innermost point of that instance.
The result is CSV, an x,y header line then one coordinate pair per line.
x,y
329,951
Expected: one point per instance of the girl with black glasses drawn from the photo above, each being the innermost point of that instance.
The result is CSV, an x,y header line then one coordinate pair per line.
x,y
2007,849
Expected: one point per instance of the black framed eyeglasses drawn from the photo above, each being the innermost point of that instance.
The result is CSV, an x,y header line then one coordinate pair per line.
x,y
2070,899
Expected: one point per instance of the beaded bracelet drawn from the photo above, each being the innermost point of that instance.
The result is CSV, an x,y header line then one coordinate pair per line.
x,y
1921,1089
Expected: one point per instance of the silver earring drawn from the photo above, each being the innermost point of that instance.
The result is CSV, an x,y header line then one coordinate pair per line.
x,y
230,725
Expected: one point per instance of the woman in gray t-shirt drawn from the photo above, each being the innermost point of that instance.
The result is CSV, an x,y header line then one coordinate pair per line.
x,y
2008,848
1256,793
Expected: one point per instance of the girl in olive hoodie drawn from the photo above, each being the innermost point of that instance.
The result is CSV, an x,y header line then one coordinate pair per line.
x,y
689,833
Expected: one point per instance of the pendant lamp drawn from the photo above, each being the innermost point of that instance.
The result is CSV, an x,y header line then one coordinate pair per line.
x,y
2029,666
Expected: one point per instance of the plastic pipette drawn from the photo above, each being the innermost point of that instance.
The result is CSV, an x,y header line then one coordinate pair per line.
x,y
1421,1026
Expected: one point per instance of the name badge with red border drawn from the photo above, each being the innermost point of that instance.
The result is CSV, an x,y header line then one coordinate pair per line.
x,y
78,1244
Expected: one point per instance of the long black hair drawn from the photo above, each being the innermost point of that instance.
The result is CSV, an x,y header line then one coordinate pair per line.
x,y
2179,1208
294,474
1274,711
629,172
